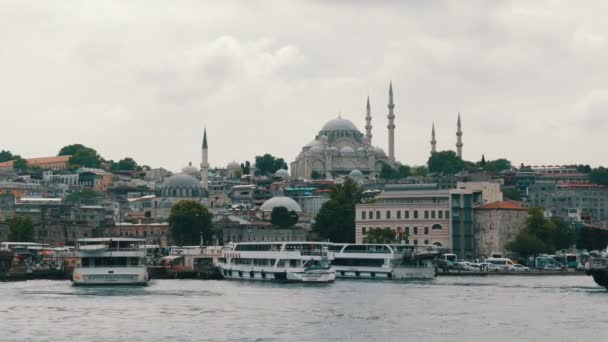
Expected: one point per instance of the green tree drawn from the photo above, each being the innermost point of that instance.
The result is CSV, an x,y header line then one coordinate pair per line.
x,y
511,194
336,219
189,220
526,244
81,156
20,229
404,171
445,162
599,176
268,164
497,165
388,172
564,235
420,171
246,168
126,164
19,163
82,197
5,156
381,235
316,174
283,218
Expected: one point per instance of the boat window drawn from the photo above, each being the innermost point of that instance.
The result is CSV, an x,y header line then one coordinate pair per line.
x,y
293,263
358,262
367,249
262,247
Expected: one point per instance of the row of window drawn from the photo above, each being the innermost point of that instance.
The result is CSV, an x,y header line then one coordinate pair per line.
x,y
405,214
406,230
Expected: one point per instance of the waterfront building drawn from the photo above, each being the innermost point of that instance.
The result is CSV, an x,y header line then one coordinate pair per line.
x,y
45,163
158,233
497,224
418,213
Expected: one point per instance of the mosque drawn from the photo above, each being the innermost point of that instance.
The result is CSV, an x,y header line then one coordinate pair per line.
x,y
340,149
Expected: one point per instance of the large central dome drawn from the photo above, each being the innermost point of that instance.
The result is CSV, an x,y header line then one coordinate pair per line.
x,y
339,124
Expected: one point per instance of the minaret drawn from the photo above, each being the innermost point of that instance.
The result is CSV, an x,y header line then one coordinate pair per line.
x,y
391,124
433,141
368,123
459,138
205,163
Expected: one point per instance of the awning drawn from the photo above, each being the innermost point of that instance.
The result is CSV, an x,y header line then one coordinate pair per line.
x,y
171,257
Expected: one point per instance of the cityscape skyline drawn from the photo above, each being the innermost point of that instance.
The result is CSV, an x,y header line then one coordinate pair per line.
x,y
146,88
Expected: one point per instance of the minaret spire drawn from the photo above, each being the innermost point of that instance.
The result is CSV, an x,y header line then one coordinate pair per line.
x,y
205,162
433,141
459,138
391,124
368,122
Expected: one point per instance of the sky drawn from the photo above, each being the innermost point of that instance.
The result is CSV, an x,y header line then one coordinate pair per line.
x,y
143,78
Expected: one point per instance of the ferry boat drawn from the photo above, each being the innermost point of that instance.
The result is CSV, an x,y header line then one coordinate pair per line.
x,y
383,261
306,262
110,261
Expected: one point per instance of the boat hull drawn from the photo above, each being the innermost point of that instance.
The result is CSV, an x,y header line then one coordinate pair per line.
x,y
414,273
124,276
291,276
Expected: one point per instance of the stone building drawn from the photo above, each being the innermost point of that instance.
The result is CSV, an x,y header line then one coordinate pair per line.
x,y
154,233
497,224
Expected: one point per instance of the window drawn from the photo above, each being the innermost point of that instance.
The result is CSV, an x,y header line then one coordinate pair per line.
x,y
377,215
436,226
440,214
447,214
415,230
432,214
415,242
407,214
426,231
371,215
388,214
415,214
363,215
363,232
426,242
426,214
407,230
398,214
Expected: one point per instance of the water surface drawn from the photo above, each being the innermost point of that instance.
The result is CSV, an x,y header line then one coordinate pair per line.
x,y
513,308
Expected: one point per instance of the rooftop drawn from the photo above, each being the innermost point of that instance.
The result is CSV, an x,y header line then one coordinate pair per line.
x,y
504,205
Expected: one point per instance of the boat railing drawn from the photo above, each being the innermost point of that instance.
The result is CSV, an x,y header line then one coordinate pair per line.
x,y
113,249
112,266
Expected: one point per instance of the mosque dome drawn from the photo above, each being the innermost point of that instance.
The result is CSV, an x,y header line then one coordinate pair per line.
x,y
190,169
339,124
355,174
181,180
233,165
280,201
282,173
378,149
316,148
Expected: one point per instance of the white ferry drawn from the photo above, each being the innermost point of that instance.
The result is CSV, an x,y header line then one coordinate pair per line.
x,y
307,262
110,261
382,261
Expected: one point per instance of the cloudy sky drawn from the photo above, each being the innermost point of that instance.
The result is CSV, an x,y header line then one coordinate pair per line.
x,y
142,78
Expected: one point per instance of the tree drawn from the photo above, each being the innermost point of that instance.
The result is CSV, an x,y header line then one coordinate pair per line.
x,y
238,173
283,218
81,156
19,163
497,165
445,162
526,244
336,219
404,171
5,156
592,239
564,235
189,220
381,235
420,171
20,229
126,164
268,164
388,172
511,194
599,176
246,168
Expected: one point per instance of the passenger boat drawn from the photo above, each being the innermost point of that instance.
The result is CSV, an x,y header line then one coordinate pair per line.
x,y
306,262
110,261
383,261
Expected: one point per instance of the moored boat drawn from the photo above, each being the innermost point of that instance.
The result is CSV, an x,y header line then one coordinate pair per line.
x,y
305,262
110,261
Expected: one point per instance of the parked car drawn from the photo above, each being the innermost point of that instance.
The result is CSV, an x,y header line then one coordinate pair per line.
x,y
550,267
519,268
463,266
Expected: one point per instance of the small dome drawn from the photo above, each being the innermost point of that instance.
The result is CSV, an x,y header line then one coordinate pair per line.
x,y
281,201
347,149
355,174
316,148
312,143
282,173
181,180
378,149
189,169
233,165
361,149
339,124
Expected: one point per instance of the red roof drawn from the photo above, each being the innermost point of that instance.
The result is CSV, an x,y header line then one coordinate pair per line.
x,y
504,205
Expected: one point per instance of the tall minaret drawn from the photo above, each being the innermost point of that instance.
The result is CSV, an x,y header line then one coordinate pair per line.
x,y
368,122
459,138
433,141
205,163
391,124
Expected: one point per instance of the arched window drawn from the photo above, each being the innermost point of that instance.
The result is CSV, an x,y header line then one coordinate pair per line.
x,y
436,226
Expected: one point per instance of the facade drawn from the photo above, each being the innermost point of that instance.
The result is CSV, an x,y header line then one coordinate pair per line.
x,y
45,163
418,213
154,233
497,224
561,199
95,179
